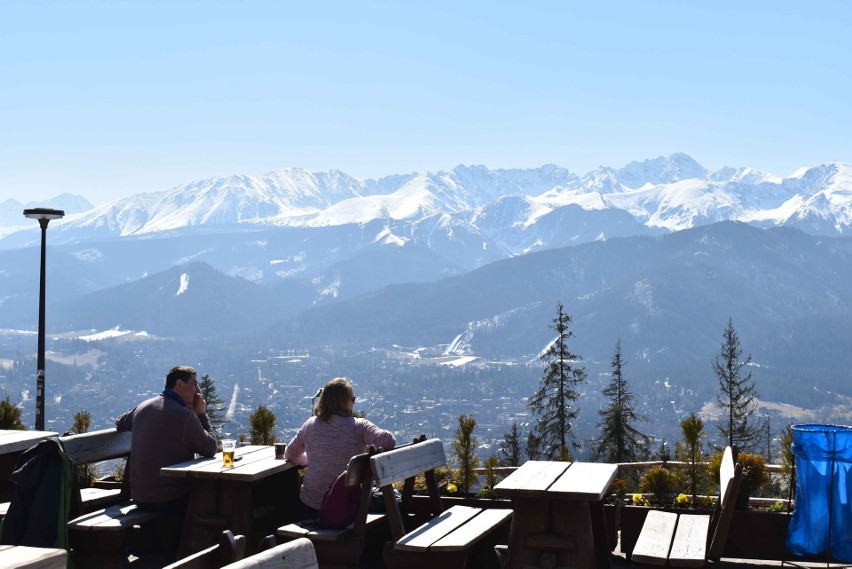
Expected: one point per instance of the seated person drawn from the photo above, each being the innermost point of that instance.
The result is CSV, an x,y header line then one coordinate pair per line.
x,y
327,441
169,428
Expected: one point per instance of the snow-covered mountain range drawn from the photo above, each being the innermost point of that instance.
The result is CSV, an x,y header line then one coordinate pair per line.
x,y
514,209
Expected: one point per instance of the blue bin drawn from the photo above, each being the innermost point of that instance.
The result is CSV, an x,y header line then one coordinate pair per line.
x,y
823,484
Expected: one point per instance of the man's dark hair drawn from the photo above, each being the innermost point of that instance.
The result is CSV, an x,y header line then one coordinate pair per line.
x,y
184,373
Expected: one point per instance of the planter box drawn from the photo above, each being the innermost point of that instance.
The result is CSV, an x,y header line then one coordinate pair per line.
x,y
754,534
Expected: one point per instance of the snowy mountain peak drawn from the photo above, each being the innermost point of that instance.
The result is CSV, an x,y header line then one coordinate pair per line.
x,y
661,170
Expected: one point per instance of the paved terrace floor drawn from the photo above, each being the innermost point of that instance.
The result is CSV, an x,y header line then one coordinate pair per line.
x,y
154,561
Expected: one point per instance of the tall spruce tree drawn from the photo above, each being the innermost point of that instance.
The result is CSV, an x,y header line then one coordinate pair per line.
x,y
736,394
464,451
215,405
262,423
620,441
510,448
553,403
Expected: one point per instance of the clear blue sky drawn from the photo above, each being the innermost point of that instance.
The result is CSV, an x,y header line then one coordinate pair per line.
x,y
107,99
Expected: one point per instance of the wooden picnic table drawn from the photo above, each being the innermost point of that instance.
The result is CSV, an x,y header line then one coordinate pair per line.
x,y
12,443
556,505
252,498
23,557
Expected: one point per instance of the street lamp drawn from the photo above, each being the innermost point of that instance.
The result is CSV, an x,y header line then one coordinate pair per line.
x,y
43,215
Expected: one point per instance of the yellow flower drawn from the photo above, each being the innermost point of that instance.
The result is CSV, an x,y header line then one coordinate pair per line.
x,y
681,500
638,500
452,488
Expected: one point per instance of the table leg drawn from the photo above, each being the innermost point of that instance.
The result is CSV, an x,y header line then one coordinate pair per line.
x,y
551,534
238,508
530,517
202,501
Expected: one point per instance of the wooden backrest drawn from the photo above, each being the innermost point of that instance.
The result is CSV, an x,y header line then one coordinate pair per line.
x,y
96,446
730,476
229,550
408,461
358,472
401,465
296,554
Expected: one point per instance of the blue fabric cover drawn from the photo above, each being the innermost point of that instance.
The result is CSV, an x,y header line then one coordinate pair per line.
x,y
823,484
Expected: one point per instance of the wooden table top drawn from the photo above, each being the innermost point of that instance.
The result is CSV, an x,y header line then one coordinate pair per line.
x,y
12,440
254,462
23,557
587,481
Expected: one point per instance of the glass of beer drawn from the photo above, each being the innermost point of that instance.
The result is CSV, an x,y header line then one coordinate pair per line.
x,y
228,448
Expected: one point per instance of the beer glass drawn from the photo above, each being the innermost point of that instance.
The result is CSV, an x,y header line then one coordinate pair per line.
x,y
280,448
228,448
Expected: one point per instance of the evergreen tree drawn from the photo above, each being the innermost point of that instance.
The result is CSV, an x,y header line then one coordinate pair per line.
x,y
690,451
620,441
491,464
553,403
10,415
262,423
510,448
533,446
215,405
85,473
736,394
464,451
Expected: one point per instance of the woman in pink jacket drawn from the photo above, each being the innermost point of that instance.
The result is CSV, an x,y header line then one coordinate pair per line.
x,y
327,441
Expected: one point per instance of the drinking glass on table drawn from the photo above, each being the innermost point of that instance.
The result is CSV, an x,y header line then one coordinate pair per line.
x,y
228,448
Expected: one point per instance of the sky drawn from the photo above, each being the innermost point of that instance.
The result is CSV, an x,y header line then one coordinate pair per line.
x,y
110,99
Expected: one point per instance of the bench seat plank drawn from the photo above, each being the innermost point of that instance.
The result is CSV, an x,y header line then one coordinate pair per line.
x,y
689,548
424,536
471,532
297,530
655,539
114,518
97,498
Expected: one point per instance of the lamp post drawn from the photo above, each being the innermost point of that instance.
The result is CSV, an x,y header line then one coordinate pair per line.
x,y
43,215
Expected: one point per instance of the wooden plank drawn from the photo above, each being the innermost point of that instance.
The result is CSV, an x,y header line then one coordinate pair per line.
x,y
584,481
13,440
97,498
296,554
96,446
211,467
424,536
689,547
399,464
253,470
112,519
315,533
730,478
533,478
464,537
23,557
655,538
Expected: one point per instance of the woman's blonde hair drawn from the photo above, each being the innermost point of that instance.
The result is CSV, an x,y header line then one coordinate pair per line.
x,y
334,399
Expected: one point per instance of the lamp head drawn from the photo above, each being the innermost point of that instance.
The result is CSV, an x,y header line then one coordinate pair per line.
x,y
44,213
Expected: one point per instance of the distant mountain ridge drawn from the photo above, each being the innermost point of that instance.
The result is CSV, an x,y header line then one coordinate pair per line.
x,y
662,194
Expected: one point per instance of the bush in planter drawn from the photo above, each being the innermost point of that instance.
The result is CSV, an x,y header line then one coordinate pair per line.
x,y
754,477
660,482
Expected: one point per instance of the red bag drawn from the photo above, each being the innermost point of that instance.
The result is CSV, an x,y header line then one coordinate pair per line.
x,y
339,505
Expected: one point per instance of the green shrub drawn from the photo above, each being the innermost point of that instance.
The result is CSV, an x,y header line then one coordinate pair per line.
x,y
660,482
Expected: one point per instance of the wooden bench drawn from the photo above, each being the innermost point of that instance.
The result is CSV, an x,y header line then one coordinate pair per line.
x,y
89,448
451,538
342,547
296,554
689,540
229,550
102,533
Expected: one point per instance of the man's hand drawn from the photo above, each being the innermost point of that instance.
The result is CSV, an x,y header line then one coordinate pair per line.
x,y
199,405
